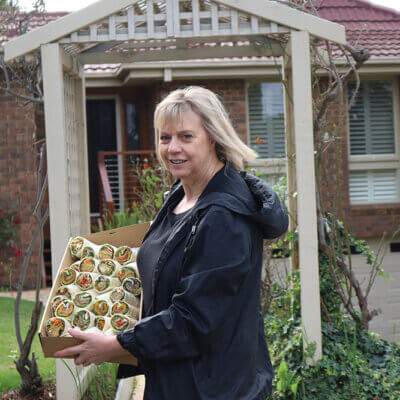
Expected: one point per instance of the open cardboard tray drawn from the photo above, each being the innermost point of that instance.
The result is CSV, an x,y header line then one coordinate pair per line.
x,y
131,236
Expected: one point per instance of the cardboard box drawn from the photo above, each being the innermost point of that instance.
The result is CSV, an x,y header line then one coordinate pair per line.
x,y
131,236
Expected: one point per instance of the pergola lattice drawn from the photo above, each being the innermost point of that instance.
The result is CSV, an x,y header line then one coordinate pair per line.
x,y
129,31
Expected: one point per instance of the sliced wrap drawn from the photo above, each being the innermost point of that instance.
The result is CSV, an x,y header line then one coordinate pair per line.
x,y
121,323
102,323
88,264
85,280
83,319
132,285
101,307
106,251
65,309
125,255
104,283
128,271
68,276
85,299
122,307
108,267
67,291
56,327
91,250
120,294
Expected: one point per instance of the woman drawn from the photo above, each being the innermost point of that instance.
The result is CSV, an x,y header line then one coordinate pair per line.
x,y
202,334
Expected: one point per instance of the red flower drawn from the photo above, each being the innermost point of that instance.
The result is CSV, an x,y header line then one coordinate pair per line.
x,y
18,253
17,220
145,166
13,248
5,208
1,213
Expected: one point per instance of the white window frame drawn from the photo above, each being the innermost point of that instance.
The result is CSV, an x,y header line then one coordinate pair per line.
x,y
379,161
269,166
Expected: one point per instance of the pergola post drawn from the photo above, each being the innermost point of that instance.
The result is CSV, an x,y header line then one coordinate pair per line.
x,y
65,134
301,177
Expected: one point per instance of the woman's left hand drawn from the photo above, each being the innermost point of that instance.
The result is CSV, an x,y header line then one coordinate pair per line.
x,y
96,348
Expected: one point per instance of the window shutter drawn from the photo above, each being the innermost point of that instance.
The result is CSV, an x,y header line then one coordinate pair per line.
x,y
371,118
266,119
374,186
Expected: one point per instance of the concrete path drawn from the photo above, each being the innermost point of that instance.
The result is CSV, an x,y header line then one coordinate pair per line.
x,y
29,295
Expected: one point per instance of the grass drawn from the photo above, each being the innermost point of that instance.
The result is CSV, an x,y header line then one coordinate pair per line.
x,y
9,377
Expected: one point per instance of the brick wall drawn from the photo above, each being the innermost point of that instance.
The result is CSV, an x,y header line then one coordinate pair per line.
x,y
18,182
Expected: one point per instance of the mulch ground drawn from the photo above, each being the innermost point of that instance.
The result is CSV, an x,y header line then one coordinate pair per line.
x,y
49,394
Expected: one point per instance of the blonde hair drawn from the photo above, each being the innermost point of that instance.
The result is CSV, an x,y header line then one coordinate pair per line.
x,y
214,119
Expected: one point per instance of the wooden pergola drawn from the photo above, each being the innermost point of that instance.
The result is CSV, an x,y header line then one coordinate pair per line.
x,y
129,31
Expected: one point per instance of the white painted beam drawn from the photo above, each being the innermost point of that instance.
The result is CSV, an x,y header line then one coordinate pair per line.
x,y
54,61
306,190
61,27
58,181
287,16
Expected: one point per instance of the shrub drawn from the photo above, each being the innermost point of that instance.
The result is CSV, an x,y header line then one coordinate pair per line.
x,y
356,364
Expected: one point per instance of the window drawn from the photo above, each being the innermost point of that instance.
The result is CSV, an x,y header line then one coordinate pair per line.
x,y
266,118
374,158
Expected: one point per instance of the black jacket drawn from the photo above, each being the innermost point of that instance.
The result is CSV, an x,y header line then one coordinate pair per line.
x,y
203,337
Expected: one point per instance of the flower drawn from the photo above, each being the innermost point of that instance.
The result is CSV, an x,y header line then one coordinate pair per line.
x,y
145,166
18,253
5,208
17,220
1,213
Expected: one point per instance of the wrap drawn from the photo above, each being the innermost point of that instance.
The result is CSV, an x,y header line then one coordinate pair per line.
x,y
88,264
122,307
85,280
132,285
125,255
90,250
108,267
106,251
101,307
65,309
102,323
76,245
56,301
75,266
84,299
68,276
128,271
120,294
67,291
104,283
83,319
56,327
121,323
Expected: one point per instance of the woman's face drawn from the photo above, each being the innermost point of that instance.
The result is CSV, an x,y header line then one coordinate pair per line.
x,y
186,149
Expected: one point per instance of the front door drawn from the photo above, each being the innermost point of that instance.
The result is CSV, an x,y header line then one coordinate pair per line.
x,y
101,131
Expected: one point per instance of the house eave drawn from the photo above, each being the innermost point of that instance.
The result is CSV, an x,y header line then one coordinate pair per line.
x,y
128,74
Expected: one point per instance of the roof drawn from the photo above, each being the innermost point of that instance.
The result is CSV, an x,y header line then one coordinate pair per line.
x,y
37,20
368,25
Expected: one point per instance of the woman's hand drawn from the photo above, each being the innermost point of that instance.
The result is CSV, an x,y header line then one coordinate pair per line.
x,y
96,348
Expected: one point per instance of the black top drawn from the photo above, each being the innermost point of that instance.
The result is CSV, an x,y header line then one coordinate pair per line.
x,y
150,251
203,336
